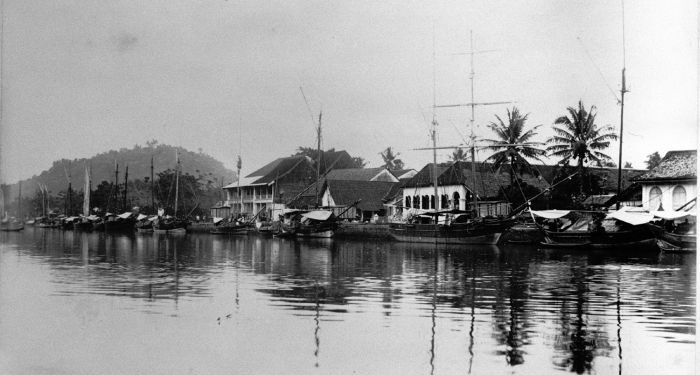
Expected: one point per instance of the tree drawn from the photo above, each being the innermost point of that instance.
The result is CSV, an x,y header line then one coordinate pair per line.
x,y
390,159
628,165
653,160
358,162
579,138
459,155
513,146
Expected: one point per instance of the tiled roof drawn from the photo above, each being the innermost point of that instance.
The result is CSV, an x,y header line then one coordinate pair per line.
x,y
489,182
676,165
354,174
278,167
371,193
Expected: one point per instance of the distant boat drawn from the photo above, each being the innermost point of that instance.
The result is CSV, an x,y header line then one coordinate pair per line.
x,y
164,224
14,224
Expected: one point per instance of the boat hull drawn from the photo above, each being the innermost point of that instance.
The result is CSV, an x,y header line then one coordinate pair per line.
x,y
640,237
674,241
429,233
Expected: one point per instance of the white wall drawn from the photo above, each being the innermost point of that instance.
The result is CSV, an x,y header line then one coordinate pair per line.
x,y
667,194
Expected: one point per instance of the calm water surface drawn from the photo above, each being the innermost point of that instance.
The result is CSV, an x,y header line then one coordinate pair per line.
x,y
78,303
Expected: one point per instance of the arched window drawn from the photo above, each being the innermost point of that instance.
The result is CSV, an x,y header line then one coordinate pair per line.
x,y
679,198
416,201
408,202
654,198
425,204
432,202
444,201
455,200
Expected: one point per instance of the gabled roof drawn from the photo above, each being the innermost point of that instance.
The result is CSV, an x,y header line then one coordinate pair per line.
x,y
354,174
676,165
370,193
488,183
403,173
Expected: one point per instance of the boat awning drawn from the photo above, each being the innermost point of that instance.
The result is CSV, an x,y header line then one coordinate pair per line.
x,y
152,218
92,217
550,214
633,218
218,219
125,215
318,215
673,215
141,217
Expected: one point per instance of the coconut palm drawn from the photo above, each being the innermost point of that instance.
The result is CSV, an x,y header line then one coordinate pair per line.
x,y
391,160
579,138
459,155
513,146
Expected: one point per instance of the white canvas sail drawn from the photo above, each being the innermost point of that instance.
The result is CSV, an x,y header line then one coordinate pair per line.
x,y
86,193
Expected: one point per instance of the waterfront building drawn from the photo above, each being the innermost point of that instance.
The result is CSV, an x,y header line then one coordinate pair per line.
x,y
672,183
270,189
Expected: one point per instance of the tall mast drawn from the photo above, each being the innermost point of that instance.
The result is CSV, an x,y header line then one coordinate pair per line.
x,y
433,134
126,177
19,205
623,90
472,137
472,105
86,192
153,201
116,184
177,179
318,157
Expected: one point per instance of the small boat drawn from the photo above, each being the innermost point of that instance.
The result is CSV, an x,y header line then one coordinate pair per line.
x,y
234,228
600,230
674,232
168,224
316,224
144,224
119,223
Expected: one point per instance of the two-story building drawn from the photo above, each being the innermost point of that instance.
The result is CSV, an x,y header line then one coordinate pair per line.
x,y
269,189
672,183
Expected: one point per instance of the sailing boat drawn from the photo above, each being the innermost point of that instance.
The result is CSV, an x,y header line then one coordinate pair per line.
x,y
15,224
452,226
85,221
171,224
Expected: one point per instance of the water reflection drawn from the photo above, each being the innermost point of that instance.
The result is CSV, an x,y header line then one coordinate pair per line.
x,y
517,307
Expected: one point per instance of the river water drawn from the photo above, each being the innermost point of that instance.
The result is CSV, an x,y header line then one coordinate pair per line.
x,y
95,303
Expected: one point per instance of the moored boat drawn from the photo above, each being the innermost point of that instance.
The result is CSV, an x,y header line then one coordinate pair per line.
x,y
450,227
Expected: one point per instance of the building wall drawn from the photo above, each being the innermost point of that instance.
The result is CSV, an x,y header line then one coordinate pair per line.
x,y
667,193
442,190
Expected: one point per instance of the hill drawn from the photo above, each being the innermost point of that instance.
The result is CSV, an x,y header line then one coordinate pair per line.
x,y
138,159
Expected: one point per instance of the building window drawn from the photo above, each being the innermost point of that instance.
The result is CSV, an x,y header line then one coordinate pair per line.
x,y
408,202
425,204
654,199
444,201
416,201
432,201
455,200
679,198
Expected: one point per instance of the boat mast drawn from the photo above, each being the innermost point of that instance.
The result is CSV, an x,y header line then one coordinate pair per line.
x,y
19,205
126,176
153,201
177,179
318,158
623,90
86,192
433,134
471,136
116,185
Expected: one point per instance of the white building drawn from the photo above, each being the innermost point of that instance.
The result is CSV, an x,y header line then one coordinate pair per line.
x,y
672,183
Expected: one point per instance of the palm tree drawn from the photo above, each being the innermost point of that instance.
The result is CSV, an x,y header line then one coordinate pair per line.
x,y
390,159
513,146
580,138
459,155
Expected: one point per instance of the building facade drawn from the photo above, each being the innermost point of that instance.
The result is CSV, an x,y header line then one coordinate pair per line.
x,y
672,183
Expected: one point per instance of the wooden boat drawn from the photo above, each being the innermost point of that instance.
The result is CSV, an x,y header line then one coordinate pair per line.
x,y
675,239
599,230
234,228
169,225
120,223
451,228
316,224
13,224
144,224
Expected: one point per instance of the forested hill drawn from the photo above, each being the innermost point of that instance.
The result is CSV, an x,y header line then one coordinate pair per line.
x,y
138,159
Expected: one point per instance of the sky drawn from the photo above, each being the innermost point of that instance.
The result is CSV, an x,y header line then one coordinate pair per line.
x,y
82,77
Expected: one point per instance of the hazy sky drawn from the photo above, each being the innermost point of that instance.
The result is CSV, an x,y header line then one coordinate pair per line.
x,y
82,77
